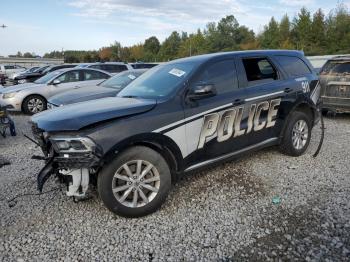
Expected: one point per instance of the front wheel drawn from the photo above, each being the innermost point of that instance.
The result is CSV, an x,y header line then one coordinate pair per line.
x,y
297,134
136,183
34,104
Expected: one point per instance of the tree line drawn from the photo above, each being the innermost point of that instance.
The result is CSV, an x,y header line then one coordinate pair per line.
x,y
315,34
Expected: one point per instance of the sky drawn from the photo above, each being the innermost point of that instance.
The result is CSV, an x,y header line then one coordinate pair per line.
x,y
42,26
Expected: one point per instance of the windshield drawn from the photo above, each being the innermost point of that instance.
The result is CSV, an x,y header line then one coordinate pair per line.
x,y
47,78
160,81
121,80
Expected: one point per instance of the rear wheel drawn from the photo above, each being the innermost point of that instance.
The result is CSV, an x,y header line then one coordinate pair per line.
x,y
297,134
34,104
136,183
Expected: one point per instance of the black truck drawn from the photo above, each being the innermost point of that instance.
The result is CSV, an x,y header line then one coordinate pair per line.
x,y
178,117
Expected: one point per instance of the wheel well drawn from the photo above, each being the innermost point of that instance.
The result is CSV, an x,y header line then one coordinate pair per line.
x,y
306,109
24,99
164,150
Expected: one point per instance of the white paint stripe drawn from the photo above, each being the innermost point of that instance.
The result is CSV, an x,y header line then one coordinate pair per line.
x,y
301,79
262,96
191,117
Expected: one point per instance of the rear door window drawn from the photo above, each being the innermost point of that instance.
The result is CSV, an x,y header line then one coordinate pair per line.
x,y
93,75
293,66
259,70
71,76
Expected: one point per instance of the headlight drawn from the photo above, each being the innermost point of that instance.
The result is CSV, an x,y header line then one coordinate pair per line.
x,y
9,95
72,144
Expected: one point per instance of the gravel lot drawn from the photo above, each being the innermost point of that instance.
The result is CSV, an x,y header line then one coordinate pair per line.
x,y
225,213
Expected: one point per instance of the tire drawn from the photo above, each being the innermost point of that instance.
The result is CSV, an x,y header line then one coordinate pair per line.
x,y
294,131
34,104
132,157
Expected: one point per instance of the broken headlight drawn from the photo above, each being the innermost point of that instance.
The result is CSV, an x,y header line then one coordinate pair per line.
x,y
73,144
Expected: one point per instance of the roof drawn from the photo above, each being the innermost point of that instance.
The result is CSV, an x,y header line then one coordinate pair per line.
x,y
79,69
340,58
203,58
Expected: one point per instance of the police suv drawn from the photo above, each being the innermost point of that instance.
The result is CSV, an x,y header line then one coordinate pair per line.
x,y
177,117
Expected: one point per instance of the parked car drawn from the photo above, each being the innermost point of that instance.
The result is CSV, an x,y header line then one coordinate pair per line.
x,y
335,83
175,118
31,98
111,67
108,88
29,70
140,65
9,70
31,77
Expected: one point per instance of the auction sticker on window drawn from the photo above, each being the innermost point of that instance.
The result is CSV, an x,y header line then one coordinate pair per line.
x,y
132,77
177,72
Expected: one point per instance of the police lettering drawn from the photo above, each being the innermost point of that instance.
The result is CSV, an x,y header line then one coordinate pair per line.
x,y
227,124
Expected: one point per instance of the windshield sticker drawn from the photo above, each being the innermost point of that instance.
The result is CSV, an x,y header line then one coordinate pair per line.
x,y
132,77
177,72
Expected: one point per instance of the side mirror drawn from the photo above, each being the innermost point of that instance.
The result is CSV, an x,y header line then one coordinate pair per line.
x,y
56,82
202,90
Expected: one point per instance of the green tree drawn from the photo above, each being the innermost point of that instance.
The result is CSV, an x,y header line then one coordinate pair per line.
x,y
301,30
318,33
270,37
338,30
151,48
170,47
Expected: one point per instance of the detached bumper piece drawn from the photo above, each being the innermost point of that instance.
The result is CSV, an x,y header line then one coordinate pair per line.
x,y
44,174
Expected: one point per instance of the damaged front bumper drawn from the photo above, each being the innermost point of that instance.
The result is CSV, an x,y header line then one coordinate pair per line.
x,y
71,158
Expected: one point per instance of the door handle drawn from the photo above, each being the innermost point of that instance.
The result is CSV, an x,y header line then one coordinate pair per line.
x,y
237,102
288,90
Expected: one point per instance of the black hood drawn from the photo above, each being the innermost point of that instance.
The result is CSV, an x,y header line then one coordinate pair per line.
x,y
76,116
82,94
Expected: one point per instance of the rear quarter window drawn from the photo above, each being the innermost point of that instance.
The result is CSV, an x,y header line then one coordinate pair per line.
x,y
293,66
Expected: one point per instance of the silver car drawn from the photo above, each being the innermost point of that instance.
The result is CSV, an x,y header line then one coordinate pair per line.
x,y
31,98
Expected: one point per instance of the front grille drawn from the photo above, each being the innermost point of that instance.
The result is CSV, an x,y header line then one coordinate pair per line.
x,y
341,91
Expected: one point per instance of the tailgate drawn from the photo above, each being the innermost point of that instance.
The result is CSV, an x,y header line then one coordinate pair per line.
x,y
338,89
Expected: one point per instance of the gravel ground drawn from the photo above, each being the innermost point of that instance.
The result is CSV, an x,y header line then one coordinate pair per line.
x,y
225,213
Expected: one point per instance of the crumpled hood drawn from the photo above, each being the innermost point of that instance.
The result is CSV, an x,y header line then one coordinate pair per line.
x,y
82,94
76,116
18,88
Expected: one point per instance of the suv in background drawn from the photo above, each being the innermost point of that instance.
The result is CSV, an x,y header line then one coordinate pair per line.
x,y
335,85
111,67
178,117
9,70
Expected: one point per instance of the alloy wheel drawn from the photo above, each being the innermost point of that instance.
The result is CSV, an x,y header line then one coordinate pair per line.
x,y
35,105
300,134
136,183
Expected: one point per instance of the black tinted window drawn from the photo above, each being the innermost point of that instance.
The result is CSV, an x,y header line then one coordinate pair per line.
x,y
293,65
221,74
9,67
114,68
259,69
93,75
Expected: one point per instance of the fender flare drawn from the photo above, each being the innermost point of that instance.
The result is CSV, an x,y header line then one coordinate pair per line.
x,y
158,142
